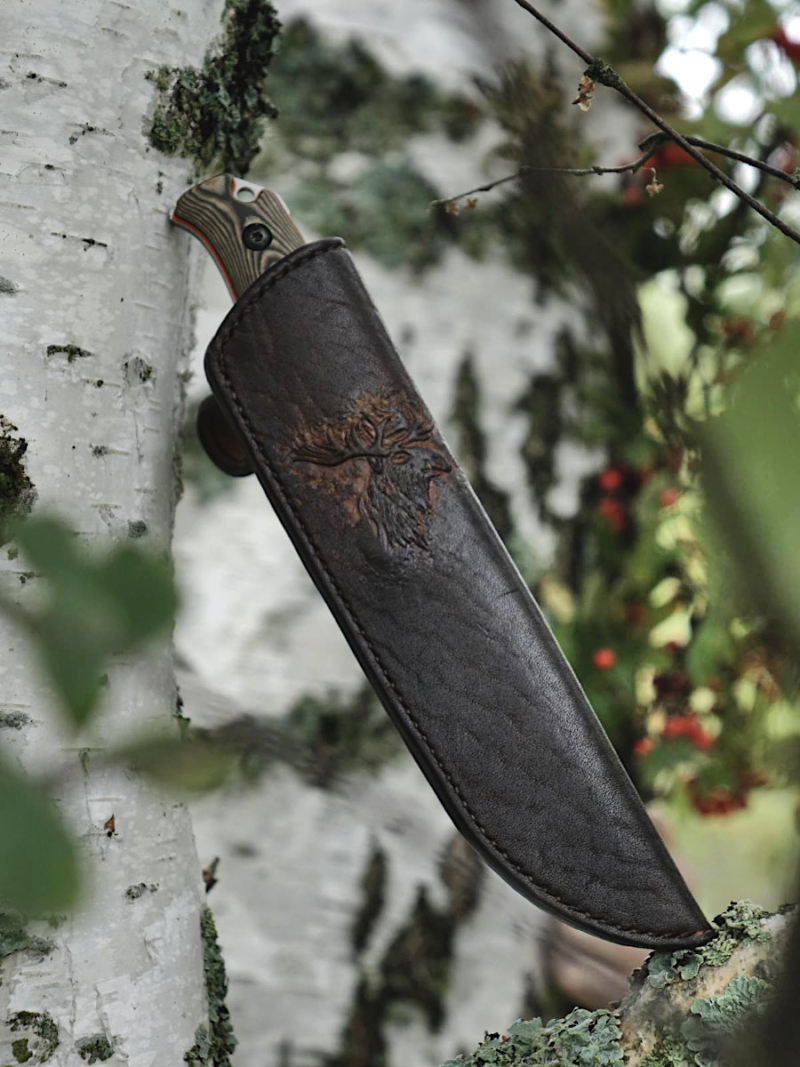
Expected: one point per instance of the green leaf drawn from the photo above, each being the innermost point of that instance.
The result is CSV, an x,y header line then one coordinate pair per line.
x,y
38,866
711,648
97,607
194,765
750,457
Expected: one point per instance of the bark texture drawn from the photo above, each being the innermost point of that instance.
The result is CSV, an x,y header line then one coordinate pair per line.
x,y
93,309
692,1008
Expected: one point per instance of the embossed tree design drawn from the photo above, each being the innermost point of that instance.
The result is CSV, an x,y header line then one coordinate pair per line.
x,y
395,437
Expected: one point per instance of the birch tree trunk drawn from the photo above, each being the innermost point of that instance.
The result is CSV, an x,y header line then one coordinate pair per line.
x,y
93,308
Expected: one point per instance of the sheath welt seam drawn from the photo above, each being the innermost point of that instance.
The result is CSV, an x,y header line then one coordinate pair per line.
x,y
270,279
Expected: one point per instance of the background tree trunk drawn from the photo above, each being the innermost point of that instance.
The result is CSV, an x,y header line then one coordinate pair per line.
x,y
93,309
357,930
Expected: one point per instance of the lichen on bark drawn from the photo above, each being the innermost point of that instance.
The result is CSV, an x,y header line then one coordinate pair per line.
x,y
41,1040
216,112
688,1008
214,1043
95,1048
17,493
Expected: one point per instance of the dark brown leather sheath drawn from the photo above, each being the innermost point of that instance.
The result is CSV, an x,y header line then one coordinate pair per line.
x,y
432,605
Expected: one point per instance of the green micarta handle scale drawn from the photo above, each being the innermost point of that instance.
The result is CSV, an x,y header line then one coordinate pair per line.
x,y
245,227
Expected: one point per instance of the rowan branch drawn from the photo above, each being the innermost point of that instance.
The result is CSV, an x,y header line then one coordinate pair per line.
x,y
601,72
578,172
650,146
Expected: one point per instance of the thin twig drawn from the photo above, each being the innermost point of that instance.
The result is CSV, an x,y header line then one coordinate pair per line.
x,y
650,146
578,172
660,138
602,72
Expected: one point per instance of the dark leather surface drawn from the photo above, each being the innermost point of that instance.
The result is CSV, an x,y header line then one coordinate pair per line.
x,y
433,607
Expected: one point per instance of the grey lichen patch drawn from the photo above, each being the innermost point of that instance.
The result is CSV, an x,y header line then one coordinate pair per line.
x,y
87,127
214,1044
718,1022
580,1039
17,493
43,1032
95,1048
133,892
217,112
138,370
741,921
12,720
72,352
7,286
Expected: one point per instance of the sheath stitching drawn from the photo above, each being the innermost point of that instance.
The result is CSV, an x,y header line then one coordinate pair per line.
x,y
269,280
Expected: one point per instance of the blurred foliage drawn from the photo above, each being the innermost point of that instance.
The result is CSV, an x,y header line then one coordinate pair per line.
x,y
684,631
338,97
81,611
94,608
39,871
344,128
323,738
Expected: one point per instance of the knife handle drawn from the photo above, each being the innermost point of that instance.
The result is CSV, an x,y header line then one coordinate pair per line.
x,y
246,229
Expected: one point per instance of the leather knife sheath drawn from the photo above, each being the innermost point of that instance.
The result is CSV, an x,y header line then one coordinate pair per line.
x,y
432,605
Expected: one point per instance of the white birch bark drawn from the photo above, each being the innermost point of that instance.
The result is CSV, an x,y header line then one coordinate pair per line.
x,y
93,262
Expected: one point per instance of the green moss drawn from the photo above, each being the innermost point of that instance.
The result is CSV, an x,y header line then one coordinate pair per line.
x,y
21,1051
216,112
94,1048
214,1044
741,921
43,1032
17,493
72,352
